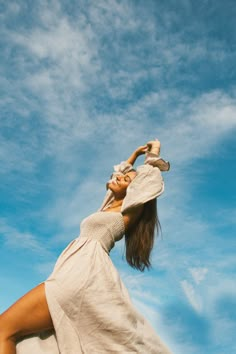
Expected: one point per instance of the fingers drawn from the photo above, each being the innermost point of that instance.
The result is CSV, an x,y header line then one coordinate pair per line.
x,y
151,146
144,147
141,150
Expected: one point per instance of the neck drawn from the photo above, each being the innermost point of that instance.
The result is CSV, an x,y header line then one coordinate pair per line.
x,y
117,202
119,197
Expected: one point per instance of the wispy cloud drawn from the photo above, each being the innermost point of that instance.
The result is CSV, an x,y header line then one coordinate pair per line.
x,y
198,274
191,295
17,239
61,63
83,85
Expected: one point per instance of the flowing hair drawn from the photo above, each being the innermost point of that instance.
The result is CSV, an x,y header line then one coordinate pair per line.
x,y
139,239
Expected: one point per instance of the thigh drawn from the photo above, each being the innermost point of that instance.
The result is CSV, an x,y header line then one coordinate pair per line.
x,y
30,314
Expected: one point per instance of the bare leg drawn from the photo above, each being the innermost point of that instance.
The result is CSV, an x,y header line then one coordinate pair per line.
x,y
30,314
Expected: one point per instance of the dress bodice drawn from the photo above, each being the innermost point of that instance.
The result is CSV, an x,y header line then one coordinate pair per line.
x,y
106,227
88,302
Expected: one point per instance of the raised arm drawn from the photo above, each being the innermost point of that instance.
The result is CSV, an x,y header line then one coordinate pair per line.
x,y
148,184
139,151
152,151
126,166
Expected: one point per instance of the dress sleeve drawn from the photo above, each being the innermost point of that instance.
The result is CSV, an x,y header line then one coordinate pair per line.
x,y
119,169
147,185
122,168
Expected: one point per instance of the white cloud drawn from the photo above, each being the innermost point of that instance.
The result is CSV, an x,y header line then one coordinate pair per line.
x,y
154,317
198,274
191,295
113,15
45,268
76,67
17,239
13,8
200,124
15,157
148,312
226,216
77,94
74,204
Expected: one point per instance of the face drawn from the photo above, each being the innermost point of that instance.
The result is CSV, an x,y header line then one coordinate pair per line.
x,y
120,183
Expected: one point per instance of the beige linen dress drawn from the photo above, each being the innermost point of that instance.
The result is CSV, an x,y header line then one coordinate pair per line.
x,y
90,307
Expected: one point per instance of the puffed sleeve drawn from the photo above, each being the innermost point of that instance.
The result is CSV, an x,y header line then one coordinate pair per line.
x,y
122,168
119,169
147,185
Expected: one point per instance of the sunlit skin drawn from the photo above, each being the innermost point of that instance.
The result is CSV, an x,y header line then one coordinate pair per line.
x,y
30,314
120,183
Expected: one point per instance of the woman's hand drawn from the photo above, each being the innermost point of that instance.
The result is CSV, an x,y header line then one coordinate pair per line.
x,y
141,150
152,146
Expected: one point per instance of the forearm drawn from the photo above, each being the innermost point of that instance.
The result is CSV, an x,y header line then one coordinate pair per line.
x,y
152,147
139,151
133,157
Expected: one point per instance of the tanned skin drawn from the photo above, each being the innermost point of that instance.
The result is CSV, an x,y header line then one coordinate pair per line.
x,y
30,314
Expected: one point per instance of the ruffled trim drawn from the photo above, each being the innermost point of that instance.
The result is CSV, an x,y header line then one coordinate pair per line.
x,y
157,161
123,167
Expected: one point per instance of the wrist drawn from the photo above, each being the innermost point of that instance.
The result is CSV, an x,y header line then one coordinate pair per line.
x,y
136,153
132,158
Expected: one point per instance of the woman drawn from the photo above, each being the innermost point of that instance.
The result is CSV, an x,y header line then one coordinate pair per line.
x,y
83,307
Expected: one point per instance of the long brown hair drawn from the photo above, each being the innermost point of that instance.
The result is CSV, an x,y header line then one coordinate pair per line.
x,y
139,239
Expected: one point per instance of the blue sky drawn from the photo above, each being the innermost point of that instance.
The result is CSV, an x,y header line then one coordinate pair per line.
x,y
83,83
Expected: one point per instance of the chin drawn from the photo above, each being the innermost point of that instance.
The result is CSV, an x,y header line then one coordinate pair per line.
x,y
110,186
